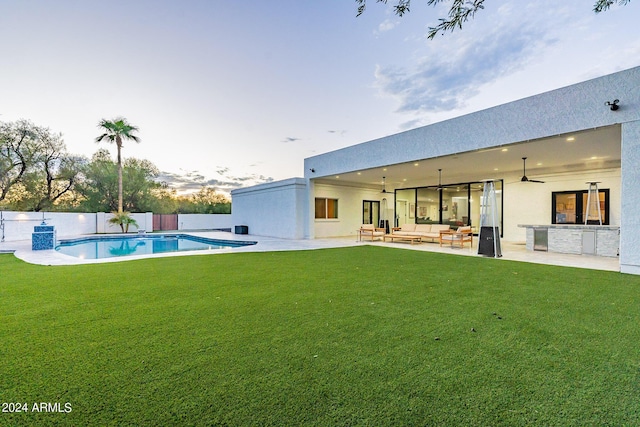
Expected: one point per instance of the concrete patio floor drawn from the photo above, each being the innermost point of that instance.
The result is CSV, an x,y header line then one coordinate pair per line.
x,y
510,251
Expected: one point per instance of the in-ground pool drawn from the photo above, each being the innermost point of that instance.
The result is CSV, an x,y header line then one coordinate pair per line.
x,y
98,247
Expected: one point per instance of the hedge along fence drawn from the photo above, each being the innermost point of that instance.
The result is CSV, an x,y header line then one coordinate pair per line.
x,y
19,225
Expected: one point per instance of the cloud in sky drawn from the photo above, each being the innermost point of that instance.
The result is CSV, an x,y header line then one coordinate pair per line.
x,y
291,139
239,85
387,25
192,181
444,80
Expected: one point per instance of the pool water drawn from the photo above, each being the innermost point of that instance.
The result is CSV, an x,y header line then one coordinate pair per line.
x,y
116,246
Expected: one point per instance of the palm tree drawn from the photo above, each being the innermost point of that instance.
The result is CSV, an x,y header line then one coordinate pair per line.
x,y
115,131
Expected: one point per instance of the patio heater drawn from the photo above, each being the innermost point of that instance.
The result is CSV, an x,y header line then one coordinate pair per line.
x,y
489,241
384,223
593,213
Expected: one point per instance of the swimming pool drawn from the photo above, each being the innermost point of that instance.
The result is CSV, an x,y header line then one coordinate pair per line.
x,y
99,247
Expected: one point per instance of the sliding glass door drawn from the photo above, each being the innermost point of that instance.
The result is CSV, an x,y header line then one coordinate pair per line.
x,y
370,212
453,204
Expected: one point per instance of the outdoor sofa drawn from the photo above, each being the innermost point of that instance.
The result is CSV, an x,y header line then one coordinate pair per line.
x,y
426,231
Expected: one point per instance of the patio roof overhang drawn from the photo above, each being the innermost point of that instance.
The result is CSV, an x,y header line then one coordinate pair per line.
x,y
587,150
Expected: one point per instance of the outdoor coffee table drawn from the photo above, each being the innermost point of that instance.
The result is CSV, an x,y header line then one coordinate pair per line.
x,y
411,239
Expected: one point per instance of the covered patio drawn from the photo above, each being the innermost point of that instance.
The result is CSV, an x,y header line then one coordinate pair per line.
x,y
569,137
557,164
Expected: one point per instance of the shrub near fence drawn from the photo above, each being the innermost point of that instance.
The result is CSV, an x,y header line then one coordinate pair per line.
x,y
19,225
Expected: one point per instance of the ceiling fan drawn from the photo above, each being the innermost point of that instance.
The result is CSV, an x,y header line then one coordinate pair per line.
x,y
524,173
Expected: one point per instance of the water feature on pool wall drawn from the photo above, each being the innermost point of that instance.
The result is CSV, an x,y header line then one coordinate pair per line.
x,y
43,237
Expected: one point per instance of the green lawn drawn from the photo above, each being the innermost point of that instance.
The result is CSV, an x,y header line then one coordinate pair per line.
x,y
355,336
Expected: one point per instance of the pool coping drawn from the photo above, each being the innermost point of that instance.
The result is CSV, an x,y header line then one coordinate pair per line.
x,y
22,249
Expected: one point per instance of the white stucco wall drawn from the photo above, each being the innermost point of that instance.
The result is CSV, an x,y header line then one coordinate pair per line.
x,y
630,221
204,221
274,209
349,209
19,225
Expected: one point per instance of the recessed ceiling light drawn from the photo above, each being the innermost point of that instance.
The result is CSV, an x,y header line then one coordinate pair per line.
x,y
404,179
416,164
337,176
384,169
539,164
505,149
495,169
571,138
359,173
594,157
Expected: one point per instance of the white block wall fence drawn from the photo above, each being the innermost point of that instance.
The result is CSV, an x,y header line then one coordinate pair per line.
x,y
16,226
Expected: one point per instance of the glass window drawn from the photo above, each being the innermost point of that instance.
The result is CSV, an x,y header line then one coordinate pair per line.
x,y
565,208
405,207
332,208
321,208
428,212
570,207
475,204
458,204
326,208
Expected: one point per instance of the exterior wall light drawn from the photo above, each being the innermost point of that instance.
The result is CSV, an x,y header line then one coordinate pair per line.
x,y
614,105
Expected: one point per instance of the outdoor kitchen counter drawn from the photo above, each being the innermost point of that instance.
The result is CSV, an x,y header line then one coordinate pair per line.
x,y
601,240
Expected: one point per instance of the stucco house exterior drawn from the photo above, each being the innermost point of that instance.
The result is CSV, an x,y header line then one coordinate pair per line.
x,y
433,174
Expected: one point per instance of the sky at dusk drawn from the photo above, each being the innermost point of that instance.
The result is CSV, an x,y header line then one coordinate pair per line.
x,y
237,93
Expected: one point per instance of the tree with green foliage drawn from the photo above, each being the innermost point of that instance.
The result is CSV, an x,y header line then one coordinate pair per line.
x,y
100,186
208,200
37,173
35,168
43,186
18,142
165,200
115,131
463,10
141,181
53,174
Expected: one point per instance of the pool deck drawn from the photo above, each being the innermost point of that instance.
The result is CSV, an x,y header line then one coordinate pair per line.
x,y
510,251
